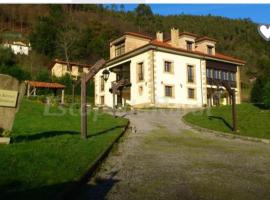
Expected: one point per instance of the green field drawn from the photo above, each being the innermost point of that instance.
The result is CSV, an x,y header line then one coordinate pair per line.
x,y
47,153
252,121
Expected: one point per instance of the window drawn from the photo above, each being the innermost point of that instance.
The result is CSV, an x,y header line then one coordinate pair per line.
x,y
80,69
168,66
209,73
215,74
231,76
140,70
190,73
168,91
120,49
219,74
191,93
226,77
210,50
102,82
223,75
102,100
189,45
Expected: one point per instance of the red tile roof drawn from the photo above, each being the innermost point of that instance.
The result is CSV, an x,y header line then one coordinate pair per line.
x,y
70,63
139,35
217,55
205,38
39,84
188,33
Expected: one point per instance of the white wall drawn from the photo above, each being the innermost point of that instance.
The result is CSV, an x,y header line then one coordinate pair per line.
x,y
18,49
178,79
135,98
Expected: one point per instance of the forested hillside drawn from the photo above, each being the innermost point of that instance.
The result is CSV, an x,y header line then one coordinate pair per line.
x,y
82,32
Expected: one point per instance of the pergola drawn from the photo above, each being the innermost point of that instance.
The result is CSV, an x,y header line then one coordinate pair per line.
x,y
32,87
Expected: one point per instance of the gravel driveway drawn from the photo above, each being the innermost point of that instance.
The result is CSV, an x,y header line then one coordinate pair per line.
x,y
162,158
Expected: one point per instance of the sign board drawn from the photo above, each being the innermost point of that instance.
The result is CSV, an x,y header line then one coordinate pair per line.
x,y
8,98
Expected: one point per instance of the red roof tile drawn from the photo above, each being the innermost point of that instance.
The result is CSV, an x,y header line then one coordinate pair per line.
x,y
139,35
205,38
188,33
217,55
39,84
70,63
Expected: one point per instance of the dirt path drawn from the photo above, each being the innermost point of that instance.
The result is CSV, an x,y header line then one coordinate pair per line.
x,y
166,159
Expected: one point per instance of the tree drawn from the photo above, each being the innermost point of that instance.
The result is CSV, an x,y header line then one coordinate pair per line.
x,y
66,40
122,7
8,65
44,36
143,10
266,95
144,17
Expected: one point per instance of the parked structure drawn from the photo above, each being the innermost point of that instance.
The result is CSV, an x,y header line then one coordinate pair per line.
x,y
59,68
19,47
178,72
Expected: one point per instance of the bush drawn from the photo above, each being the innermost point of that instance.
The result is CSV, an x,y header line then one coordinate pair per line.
x,y
266,95
16,72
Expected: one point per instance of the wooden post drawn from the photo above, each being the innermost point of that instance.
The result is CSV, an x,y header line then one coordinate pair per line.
x,y
84,79
28,89
83,107
113,102
234,115
73,91
63,96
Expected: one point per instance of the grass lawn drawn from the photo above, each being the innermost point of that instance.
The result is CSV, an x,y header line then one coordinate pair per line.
x,y
252,121
47,153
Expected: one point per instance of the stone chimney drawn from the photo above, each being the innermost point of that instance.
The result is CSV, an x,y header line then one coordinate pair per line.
x,y
175,37
159,36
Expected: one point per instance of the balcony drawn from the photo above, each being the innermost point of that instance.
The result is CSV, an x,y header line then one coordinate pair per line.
x,y
120,84
212,81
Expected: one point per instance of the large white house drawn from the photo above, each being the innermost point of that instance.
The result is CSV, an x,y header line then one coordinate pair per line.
x,y
172,73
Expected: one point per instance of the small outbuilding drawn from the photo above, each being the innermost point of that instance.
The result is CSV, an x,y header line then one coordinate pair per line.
x,y
32,87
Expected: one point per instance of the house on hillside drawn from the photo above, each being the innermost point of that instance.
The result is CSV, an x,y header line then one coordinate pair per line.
x,y
181,71
59,68
18,47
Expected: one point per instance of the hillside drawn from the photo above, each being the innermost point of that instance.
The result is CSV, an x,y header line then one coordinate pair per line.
x,y
94,26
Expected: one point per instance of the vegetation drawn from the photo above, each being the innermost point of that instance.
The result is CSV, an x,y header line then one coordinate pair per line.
x,y
8,65
82,33
47,153
260,93
252,121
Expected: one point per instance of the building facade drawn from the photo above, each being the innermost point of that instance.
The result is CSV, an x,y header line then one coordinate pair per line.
x,y
18,47
182,71
60,68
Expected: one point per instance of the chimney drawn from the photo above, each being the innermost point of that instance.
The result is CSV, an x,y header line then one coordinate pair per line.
x,y
159,36
175,37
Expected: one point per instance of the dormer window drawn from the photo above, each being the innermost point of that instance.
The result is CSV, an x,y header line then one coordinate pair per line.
x,y
120,48
189,45
210,50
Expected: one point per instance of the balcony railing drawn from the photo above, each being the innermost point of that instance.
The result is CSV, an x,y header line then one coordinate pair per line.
x,y
120,84
212,81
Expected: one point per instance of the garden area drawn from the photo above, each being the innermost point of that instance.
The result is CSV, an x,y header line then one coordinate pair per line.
x,y
252,121
47,154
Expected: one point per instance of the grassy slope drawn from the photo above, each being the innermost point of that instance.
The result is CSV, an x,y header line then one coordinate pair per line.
x,y
48,152
252,121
